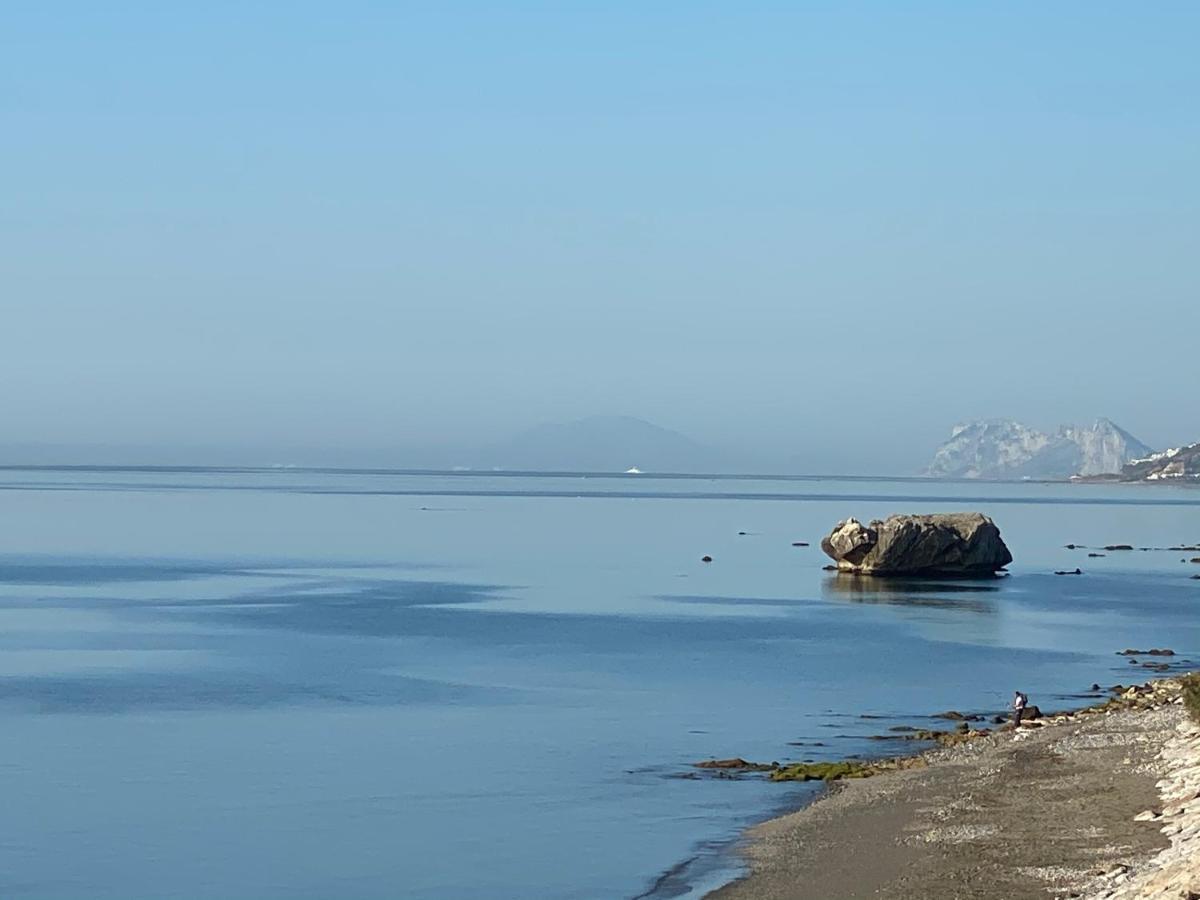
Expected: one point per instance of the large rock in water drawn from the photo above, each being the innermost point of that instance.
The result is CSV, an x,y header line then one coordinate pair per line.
x,y
947,544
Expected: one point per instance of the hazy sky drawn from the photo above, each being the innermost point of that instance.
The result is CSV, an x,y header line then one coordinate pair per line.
x,y
828,230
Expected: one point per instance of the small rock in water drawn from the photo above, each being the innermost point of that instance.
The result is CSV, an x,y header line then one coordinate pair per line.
x,y
1095,555
742,533
799,543
706,559
1111,547
1073,572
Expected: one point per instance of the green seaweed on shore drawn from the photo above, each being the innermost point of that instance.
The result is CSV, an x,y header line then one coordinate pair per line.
x,y
1191,693
927,734
846,768
823,771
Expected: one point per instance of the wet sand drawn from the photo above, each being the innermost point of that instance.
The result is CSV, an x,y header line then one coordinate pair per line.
x,y
1006,817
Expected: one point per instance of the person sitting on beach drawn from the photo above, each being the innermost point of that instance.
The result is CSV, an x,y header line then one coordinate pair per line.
x,y
1019,703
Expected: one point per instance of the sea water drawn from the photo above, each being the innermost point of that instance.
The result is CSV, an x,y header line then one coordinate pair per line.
x,y
296,683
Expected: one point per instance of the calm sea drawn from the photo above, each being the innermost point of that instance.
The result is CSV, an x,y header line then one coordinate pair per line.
x,y
314,684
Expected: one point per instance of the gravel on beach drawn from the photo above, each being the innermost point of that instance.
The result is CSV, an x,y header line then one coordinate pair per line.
x,y
1063,810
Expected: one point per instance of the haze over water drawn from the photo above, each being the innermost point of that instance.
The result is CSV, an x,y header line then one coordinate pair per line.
x,y
396,234
283,683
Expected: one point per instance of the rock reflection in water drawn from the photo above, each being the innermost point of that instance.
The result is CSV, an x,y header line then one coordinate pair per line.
x,y
923,592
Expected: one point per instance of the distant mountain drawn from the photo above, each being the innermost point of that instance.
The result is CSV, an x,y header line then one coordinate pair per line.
x,y
1182,463
1003,448
605,444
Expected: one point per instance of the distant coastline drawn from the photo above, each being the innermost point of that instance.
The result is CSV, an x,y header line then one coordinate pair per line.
x,y
465,472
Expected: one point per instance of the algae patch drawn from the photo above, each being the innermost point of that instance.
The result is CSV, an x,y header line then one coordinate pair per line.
x,y
838,771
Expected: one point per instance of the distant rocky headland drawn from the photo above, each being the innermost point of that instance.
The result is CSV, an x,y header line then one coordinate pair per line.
x,y
1006,449
1177,465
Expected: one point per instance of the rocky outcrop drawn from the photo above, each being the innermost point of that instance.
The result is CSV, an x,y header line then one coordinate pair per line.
x,y
944,544
1002,448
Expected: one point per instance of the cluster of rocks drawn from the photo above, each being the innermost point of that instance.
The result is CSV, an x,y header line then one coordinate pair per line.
x,y
1151,695
1175,872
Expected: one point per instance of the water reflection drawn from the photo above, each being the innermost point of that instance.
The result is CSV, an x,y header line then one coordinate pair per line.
x,y
780,602
948,594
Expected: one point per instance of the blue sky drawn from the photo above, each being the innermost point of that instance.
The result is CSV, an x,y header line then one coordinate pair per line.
x,y
827,230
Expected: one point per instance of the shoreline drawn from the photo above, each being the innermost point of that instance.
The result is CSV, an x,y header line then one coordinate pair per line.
x,y
1065,809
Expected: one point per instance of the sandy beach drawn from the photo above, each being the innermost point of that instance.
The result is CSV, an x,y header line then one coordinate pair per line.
x,y
1073,808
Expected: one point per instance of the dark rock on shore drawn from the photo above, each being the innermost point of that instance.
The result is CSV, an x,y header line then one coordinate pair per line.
x,y
945,544
955,716
1031,712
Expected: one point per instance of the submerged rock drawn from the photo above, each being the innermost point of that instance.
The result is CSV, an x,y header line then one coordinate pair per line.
x,y
955,716
953,544
735,763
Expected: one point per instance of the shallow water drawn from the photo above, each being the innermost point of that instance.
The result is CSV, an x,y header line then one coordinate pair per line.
x,y
289,683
